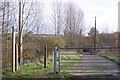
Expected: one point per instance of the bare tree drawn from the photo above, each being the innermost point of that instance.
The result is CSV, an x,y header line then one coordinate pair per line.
x,y
3,35
38,24
30,18
73,24
5,26
57,16
106,38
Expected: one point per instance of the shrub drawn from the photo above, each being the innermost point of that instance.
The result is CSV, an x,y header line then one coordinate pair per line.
x,y
53,41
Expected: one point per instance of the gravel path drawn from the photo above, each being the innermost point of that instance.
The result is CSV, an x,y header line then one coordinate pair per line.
x,y
91,64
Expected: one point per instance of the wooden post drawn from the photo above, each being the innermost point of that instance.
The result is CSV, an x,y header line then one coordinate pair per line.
x,y
45,56
13,50
20,45
16,57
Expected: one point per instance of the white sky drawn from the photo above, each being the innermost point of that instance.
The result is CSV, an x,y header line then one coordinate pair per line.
x,y
106,12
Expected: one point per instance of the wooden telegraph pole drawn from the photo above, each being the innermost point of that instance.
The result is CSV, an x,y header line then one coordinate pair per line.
x,y
16,57
20,33
13,50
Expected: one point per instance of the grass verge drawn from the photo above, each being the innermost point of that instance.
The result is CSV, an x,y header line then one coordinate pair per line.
x,y
112,56
29,70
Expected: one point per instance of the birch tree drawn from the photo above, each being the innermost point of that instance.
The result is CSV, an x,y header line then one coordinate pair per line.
x,y
73,24
30,19
57,16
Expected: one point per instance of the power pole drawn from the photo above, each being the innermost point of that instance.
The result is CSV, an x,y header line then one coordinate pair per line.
x,y
95,36
20,44
13,49
16,57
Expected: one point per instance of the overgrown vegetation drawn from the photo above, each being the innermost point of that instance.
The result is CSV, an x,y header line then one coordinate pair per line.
x,y
53,41
29,70
36,69
39,41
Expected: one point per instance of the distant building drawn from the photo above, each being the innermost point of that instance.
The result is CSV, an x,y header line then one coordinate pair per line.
x,y
119,16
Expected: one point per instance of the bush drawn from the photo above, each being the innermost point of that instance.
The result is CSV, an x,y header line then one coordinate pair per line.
x,y
53,41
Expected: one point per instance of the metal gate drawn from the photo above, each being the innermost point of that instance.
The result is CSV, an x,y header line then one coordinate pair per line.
x,y
86,60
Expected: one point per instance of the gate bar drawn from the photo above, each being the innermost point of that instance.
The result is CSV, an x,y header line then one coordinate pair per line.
x,y
55,51
91,47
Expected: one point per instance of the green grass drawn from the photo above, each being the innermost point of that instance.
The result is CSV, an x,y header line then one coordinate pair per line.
x,y
66,76
112,56
26,70
68,64
65,73
29,70
36,69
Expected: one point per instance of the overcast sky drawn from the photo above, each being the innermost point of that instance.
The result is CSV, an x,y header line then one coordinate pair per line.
x,y
106,12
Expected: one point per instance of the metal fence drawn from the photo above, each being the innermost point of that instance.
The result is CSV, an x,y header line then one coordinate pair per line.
x,y
87,60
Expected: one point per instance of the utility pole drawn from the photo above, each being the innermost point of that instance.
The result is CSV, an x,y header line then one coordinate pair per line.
x,y
16,57
95,36
13,49
20,44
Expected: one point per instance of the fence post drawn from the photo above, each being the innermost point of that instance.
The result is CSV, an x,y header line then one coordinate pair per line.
x,y
16,57
59,60
45,56
13,49
55,51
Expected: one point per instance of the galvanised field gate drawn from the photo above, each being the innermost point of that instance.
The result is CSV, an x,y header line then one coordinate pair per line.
x,y
86,60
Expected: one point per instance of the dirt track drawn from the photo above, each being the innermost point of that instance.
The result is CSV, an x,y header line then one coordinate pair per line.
x,y
91,64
